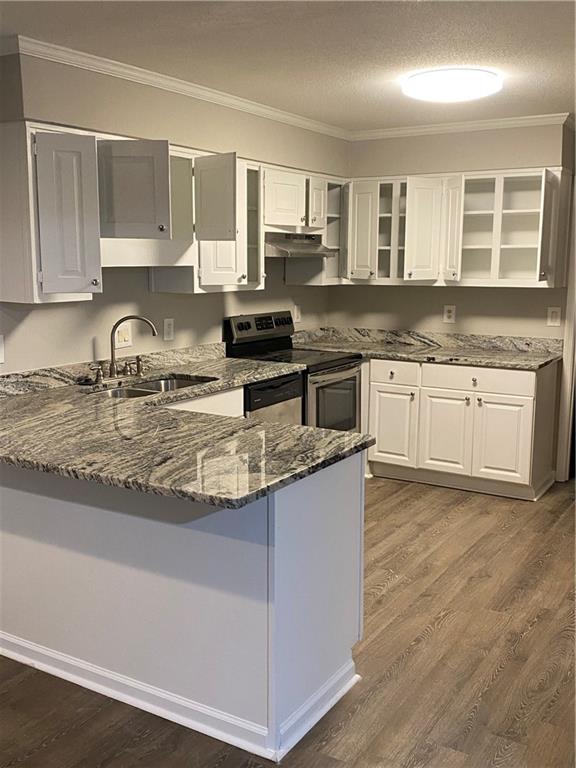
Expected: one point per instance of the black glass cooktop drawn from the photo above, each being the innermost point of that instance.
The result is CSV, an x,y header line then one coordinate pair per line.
x,y
314,360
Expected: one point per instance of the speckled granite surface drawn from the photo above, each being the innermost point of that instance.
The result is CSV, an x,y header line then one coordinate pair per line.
x,y
514,352
222,461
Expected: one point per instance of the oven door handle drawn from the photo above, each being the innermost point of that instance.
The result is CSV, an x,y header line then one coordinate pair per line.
x,y
335,374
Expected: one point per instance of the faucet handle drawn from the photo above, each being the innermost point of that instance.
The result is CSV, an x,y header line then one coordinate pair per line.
x,y
97,367
130,368
139,366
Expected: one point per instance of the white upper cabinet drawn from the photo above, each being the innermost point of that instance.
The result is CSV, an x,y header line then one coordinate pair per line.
x,y
451,241
423,227
317,201
69,237
134,179
284,198
216,192
362,251
223,261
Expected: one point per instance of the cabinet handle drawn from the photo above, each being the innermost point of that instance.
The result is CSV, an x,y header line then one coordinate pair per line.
x,y
412,395
314,219
409,274
454,275
479,400
162,227
95,281
467,400
371,274
242,277
542,274
392,374
303,219
474,381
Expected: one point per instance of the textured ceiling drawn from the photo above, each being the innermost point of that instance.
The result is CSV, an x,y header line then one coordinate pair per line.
x,y
336,62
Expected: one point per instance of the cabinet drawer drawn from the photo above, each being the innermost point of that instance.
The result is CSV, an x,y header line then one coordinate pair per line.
x,y
497,380
394,372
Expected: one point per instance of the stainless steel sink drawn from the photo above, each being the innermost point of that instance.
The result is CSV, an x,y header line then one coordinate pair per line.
x,y
124,392
170,384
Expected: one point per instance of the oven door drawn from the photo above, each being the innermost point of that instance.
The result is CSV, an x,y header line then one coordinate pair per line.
x,y
333,399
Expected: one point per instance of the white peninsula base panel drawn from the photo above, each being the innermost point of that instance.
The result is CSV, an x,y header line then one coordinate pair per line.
x,y
238,623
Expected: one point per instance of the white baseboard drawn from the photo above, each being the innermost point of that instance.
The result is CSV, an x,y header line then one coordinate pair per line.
x,y
212,722
308,714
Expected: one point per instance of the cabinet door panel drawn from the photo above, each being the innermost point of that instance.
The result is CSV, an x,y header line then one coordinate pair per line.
x,y
215,193
394,424
284,199
451,246
445,436
363,230
423,228
134,178
317,200
67,180
503,438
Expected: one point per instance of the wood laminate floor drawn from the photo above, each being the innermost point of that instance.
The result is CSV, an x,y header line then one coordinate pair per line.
x,y
466,661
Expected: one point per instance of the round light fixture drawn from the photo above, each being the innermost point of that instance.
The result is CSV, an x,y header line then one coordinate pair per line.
x,y
452,84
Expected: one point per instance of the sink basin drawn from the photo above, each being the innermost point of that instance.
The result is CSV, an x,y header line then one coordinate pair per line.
x,y
124,392
169,385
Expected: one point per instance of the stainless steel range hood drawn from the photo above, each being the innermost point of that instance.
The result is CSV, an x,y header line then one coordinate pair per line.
x,y
293,246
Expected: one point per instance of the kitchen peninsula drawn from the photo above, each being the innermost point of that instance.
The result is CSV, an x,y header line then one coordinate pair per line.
x,y
205,568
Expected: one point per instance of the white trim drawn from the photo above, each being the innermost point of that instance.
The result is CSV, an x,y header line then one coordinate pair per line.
x,y
297,725
62,55
527,121
191,714
103,66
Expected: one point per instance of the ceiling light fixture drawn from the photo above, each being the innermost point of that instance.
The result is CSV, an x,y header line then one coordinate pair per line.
x,y
452,84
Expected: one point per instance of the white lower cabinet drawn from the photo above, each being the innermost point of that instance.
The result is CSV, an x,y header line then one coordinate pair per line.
x,y
499,441
503,438
446,428
394,424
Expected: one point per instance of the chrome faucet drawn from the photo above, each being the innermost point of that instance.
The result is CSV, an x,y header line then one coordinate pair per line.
x,y
113,367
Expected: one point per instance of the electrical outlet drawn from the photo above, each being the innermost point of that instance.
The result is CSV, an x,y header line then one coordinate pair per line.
x,y
449,313
124,336
168,329
1,348
554,316
296,313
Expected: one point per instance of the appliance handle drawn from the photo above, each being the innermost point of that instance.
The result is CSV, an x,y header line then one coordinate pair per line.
x,y
335,374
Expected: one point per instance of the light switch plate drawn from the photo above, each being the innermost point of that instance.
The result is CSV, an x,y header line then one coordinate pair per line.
x,y
168,329
449,313
1,349
124,336
554,316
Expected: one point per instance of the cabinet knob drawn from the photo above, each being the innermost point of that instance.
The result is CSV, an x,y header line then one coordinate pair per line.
x,y
303,219
392,374
454,275
474,381
467,400
479,400
409,274
314,219
243,277
95,281
371,274
162,227
542,275
412,395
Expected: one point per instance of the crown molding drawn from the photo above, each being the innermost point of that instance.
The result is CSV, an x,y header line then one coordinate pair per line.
x,y
527,121
59,54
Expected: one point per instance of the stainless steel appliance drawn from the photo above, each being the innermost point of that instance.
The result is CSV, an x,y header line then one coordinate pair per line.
x,y
279,399
332,379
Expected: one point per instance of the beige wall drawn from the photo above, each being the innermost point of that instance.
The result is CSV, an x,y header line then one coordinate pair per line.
x,y
499,311
52,334
10,89
71,96
477,150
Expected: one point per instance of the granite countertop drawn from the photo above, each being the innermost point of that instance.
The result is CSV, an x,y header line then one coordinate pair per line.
x,y
519,353
80,433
